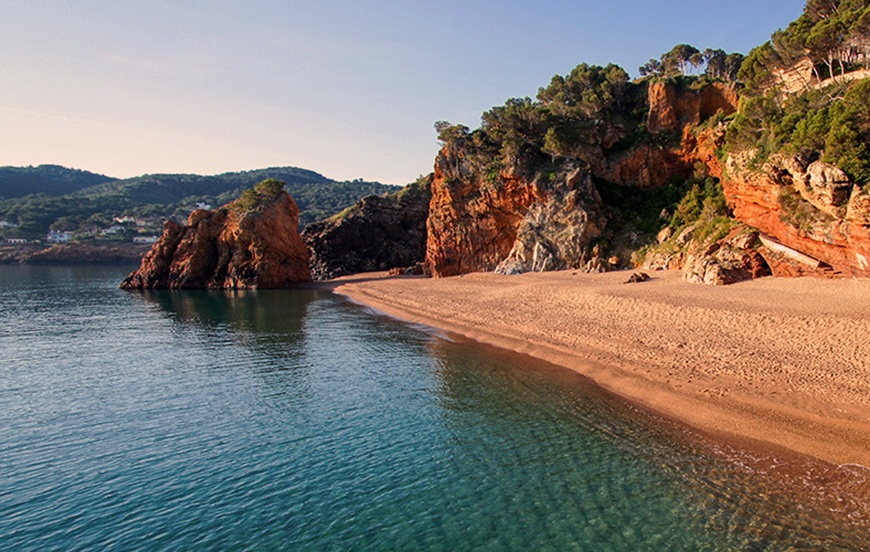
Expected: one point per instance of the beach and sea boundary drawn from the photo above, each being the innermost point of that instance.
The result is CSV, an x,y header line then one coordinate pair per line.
x,y
783,362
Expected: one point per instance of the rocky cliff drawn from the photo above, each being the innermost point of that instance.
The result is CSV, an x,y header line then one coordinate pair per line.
x,y
557,232
528,212
812,208
252,243
535,213
378,233
472,223
511,223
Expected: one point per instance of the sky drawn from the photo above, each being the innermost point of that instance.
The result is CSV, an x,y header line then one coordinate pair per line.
x,y
347,88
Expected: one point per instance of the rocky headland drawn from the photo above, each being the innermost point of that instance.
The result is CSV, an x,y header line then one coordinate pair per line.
x,y
251,243
604,204
529,212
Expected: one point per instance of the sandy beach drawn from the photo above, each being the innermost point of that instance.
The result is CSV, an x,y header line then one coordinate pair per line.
x,y
781,361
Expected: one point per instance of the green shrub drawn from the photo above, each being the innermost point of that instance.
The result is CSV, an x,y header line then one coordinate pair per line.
x,y
704,200
262,193
798,212
833,122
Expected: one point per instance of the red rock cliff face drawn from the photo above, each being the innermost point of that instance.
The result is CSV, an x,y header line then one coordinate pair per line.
x,y
677,112
230,248
472,224
811,208
673,110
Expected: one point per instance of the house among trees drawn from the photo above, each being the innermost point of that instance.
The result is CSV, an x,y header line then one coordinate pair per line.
x,y
58,236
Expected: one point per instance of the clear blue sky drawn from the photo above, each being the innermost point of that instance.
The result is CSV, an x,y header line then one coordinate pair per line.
x,y
347,88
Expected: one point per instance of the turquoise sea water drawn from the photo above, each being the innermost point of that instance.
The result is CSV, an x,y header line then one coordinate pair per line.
x,y
296,420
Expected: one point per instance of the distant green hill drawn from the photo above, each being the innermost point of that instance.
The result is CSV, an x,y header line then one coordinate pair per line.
x,y
50,180
161,196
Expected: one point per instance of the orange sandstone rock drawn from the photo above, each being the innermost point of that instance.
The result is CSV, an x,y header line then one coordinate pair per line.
x,y
761,200
229,248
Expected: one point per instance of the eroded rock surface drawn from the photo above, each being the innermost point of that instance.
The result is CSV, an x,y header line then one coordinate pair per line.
x,y
234,247
378,233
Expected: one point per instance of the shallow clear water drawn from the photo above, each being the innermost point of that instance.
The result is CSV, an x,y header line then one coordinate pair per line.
x,y
297,420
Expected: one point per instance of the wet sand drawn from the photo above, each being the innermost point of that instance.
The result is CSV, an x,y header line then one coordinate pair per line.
x,y
781,361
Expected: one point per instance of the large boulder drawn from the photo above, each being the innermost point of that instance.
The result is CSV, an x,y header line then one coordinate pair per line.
x,y
729,260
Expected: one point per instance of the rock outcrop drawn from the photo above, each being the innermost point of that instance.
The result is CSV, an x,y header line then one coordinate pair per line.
x,y
713,254
675,112
671,110
810,207
511,221
378,233
473,220
531,215
516,210
252,243
729,260
557,233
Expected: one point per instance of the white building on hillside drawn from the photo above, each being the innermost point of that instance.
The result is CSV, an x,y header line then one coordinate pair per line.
x,y
145,239
57,236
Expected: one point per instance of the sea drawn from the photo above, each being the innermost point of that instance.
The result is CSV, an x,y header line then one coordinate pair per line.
x,y
299,420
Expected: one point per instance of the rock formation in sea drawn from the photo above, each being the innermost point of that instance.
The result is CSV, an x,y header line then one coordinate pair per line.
x,y
378,233
251,243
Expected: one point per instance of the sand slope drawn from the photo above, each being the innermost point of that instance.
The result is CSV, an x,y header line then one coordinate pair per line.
x,y
785,361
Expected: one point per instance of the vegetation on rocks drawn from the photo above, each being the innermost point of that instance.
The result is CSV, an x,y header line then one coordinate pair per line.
x,y
800,95
261,194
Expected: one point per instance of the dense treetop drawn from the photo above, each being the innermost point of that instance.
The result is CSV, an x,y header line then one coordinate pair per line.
x,y
833,35
828,116
50,180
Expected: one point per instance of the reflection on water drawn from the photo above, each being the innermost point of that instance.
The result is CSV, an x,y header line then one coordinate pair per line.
x,y
265,312
269,321
296,420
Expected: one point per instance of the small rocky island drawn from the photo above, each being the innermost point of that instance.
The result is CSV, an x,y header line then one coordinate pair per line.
x,y
251,243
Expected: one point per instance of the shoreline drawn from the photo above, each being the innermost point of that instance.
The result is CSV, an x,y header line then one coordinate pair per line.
x,y
783,362
69,254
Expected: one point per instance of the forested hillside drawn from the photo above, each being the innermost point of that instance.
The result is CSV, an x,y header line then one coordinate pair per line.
x,y
50,180
163,196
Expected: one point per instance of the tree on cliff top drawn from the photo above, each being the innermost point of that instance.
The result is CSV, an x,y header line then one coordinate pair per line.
x,y
682,58
448,133
587,91
834,35
261,194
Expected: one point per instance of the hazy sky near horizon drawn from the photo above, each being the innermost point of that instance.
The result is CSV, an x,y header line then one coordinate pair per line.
x,y
350,89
